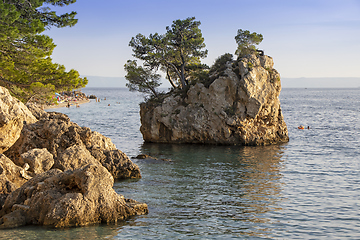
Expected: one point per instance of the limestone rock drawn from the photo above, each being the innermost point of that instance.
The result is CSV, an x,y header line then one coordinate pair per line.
x,y
74,157
13,113
240,107
39,160
36,110
55,132
72,198
11,177
118,164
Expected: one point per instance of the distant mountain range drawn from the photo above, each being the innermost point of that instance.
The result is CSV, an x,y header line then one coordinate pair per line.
x,y
336,82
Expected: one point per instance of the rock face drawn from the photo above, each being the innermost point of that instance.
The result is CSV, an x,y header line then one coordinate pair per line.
x,y
64,199
72,146
13,113
59,174
39,160
241,107
11,177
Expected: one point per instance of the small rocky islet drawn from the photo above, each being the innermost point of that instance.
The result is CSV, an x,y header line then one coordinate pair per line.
x,y
240,106
55,173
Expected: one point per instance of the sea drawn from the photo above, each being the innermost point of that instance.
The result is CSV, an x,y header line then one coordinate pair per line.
x,y
308,188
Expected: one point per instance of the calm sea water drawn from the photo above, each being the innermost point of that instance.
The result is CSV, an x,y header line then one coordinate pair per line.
x,y
308,188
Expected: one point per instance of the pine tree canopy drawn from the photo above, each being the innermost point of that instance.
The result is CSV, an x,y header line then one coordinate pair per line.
x,y
246,42
177,52
26,68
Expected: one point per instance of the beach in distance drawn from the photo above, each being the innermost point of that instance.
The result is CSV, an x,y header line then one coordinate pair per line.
x,y
67,99
65,104
306,188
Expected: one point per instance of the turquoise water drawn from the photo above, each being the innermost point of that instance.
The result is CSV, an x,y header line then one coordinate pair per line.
x,y
308,188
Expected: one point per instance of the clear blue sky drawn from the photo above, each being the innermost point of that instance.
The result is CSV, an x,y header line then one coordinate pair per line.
x,y
306,38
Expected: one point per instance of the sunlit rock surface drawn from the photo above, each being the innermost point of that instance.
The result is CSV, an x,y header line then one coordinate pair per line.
x,y
66,199
13,113
241,107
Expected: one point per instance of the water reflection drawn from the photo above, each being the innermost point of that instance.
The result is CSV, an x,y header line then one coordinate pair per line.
x,y
37,232
208,190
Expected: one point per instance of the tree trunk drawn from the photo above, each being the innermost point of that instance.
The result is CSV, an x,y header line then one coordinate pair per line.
x,y
182,77
169,78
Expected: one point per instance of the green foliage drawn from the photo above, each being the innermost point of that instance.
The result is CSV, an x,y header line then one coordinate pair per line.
x,y
41,93
198,74
218,69
177,52
25,54
156,100
141,79
246,42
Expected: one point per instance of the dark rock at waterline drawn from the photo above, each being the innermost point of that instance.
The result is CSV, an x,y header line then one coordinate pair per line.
x,y
92,97
147,157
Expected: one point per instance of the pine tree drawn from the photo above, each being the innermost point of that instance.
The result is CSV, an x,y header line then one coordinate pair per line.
x,y
26,68
177,52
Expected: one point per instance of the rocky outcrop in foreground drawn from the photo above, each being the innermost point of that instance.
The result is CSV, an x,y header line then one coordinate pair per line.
x,y
13,113
56,173
11,177
240,107
65,199
72,146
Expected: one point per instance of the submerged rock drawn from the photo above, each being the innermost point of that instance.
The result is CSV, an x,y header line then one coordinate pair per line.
x,y
148,157
240,107
72,198
13,113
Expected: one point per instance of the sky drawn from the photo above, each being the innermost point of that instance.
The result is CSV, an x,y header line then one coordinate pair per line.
x,y
306,38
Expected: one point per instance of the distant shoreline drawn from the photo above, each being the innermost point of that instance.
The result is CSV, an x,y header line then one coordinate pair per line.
x,y
64,104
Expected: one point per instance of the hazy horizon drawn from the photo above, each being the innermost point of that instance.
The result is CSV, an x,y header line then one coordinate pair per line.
x,y
335,82
311,39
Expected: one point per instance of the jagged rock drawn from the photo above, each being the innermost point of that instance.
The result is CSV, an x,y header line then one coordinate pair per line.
x,y
11,177
240,107
38,160
64,199
118,164
36,110
55,132
74,157
13,113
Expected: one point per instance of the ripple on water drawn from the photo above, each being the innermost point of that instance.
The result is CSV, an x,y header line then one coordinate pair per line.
x,y
305,189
